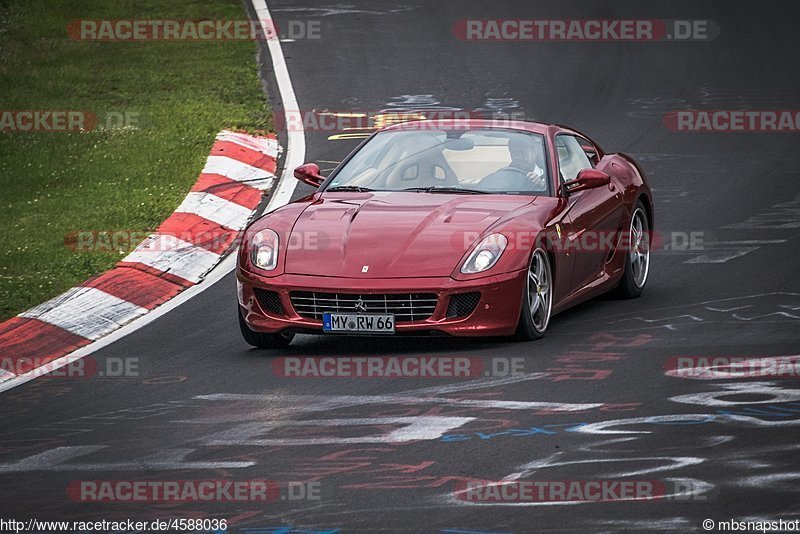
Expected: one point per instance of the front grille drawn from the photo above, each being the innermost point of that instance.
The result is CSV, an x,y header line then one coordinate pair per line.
x,y
406,307
269,301
462,304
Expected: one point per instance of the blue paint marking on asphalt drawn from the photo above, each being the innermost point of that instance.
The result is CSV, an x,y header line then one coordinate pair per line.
x,y
462,531
782,410
785,409
547,430
654,420
284,530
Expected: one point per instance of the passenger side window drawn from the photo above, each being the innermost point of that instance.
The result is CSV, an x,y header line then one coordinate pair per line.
x,y
571,157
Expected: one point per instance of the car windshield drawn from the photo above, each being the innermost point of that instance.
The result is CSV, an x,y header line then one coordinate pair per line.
x,y
448,161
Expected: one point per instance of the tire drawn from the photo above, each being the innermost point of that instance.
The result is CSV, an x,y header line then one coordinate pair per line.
x,y
537,297
637,259
262,340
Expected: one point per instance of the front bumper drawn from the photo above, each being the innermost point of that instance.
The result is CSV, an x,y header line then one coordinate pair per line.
x,y
496,314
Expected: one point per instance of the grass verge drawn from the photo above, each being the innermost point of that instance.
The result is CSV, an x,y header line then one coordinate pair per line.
x,y
159,105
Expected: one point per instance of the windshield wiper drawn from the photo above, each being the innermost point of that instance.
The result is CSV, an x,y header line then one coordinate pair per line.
x,y
447,189
357,188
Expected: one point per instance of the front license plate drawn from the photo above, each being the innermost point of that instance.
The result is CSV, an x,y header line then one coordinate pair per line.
x,y
358,322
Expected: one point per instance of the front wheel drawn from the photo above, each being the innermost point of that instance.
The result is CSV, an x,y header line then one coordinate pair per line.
x,y
637,260
262,340
537,302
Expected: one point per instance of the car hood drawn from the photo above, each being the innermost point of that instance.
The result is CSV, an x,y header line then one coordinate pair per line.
x,y
392,235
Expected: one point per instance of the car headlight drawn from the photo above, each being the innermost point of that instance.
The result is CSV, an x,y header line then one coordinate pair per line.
x,y
264,250
485,254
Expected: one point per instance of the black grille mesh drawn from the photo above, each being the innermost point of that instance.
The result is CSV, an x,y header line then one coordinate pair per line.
x,y
462,304
269,301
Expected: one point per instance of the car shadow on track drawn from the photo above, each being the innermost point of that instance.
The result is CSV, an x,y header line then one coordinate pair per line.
x,y
322,345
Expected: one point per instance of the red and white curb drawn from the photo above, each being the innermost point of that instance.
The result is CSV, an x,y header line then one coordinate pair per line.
x,y
32,337
178,255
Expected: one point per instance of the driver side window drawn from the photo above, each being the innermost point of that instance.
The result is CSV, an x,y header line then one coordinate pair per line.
x,y
571,157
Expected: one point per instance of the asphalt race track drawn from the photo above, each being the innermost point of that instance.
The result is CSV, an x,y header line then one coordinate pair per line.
x,y
594,401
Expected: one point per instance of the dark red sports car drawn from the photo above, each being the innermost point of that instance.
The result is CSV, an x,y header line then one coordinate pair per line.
x,y
461,227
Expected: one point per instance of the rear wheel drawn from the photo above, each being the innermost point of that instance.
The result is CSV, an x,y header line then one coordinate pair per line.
x,y
537,302
637,261
262,340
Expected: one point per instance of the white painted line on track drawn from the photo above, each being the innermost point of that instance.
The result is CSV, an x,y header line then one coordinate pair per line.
x,y
722,256
316,403
296,136
282,194
6,375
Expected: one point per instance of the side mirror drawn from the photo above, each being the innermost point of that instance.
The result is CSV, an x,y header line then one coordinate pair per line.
x,y
587,179
309,174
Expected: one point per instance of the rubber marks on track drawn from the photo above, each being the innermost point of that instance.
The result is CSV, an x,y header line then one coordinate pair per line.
x,y
201,231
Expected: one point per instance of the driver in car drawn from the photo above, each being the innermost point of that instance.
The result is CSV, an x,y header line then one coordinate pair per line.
x,y
525,172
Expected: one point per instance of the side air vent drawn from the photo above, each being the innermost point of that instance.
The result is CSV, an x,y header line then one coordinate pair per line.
x,y
269,301
462,304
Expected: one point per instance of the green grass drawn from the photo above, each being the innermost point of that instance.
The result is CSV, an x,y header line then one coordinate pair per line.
x,y
51,184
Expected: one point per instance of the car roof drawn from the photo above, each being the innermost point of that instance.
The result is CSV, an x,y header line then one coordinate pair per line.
x,y
445,124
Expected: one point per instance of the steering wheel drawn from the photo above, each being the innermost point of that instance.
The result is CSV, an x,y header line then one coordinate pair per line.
x,y
537,183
